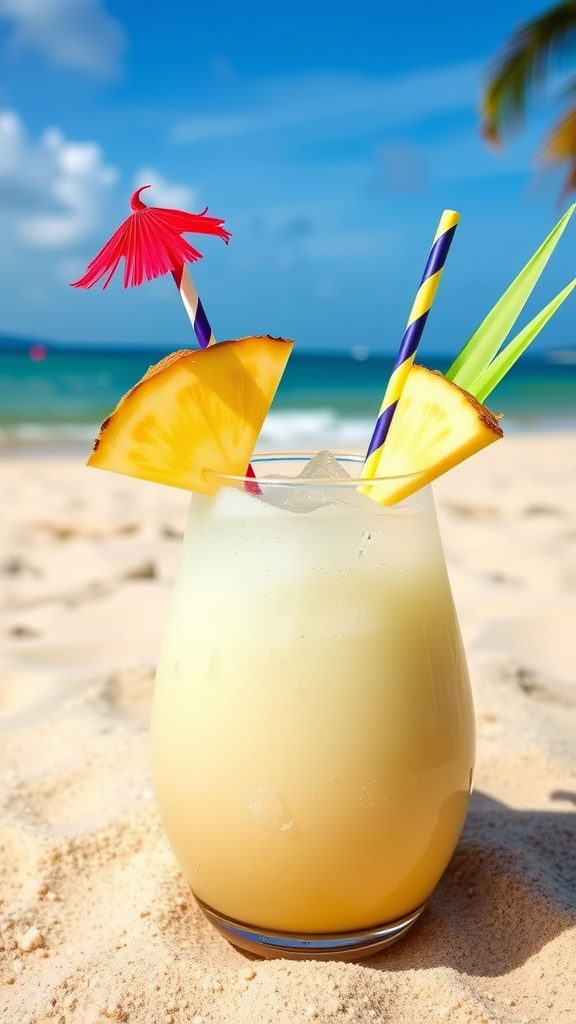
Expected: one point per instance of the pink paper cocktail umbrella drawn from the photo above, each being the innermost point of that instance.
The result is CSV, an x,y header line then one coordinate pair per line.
x,y
150,241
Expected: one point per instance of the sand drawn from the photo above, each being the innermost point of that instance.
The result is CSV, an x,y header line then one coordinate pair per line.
x,y
96,923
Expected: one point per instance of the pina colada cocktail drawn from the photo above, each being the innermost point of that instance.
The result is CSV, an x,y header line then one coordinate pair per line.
x,y
312,732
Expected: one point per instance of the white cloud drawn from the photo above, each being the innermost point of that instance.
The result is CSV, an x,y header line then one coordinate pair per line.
x,y
73,33
162,193
51,190
342,102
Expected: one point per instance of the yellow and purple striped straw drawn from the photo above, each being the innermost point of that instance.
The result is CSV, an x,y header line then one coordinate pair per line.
x,y
416,322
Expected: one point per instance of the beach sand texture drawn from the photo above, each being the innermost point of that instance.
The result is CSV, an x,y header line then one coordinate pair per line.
x,y
96,923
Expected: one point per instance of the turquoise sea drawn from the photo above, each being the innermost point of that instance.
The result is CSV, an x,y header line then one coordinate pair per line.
x,y
54,394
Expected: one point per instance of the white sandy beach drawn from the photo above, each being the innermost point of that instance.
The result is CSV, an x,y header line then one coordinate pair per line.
x,y
96,923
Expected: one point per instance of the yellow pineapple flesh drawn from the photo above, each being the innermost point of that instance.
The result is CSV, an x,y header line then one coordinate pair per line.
x,y
195,414
435,426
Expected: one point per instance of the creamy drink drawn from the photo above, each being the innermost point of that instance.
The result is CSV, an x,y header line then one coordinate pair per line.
x,y
312,732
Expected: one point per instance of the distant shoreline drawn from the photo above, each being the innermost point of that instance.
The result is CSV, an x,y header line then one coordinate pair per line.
x,y
358,353
54,397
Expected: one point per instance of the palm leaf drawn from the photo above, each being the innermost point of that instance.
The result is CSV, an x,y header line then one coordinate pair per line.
x,y
523,65
560,147
499,366
480,350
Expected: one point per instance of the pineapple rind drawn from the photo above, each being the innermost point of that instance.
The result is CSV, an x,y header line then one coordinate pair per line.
x,y
436,425
194,411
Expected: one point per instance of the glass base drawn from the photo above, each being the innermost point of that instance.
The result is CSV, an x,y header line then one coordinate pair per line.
x,y
335,946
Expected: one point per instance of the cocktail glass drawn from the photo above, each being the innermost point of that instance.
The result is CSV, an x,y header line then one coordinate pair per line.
x,y
312,729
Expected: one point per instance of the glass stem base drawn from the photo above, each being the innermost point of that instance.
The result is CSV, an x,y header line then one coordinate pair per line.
x,y
336,946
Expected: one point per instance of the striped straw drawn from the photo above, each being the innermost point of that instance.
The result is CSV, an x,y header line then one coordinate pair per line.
x,y
193,306
416,322
205,336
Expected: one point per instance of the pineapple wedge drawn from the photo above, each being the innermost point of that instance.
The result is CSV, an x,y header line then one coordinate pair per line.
x,y
195,414
435,426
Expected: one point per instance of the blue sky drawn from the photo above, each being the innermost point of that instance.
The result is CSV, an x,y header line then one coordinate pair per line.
x,y
329,135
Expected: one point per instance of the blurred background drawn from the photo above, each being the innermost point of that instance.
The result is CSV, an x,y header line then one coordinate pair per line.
x,y
329,136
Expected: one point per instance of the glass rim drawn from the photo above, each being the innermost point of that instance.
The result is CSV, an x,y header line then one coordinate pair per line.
x,y
310,481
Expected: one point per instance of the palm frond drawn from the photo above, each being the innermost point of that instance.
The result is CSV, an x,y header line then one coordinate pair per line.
x,y
560,148
523,65
570,89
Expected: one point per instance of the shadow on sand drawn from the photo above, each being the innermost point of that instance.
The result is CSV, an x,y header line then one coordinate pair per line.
x,y
509,889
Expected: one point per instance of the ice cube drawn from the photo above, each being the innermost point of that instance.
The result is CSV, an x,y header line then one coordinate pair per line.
x,y
274,494
292,499
323,466
305,498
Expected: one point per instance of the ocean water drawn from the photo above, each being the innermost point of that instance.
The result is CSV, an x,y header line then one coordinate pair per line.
x,y
59,394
